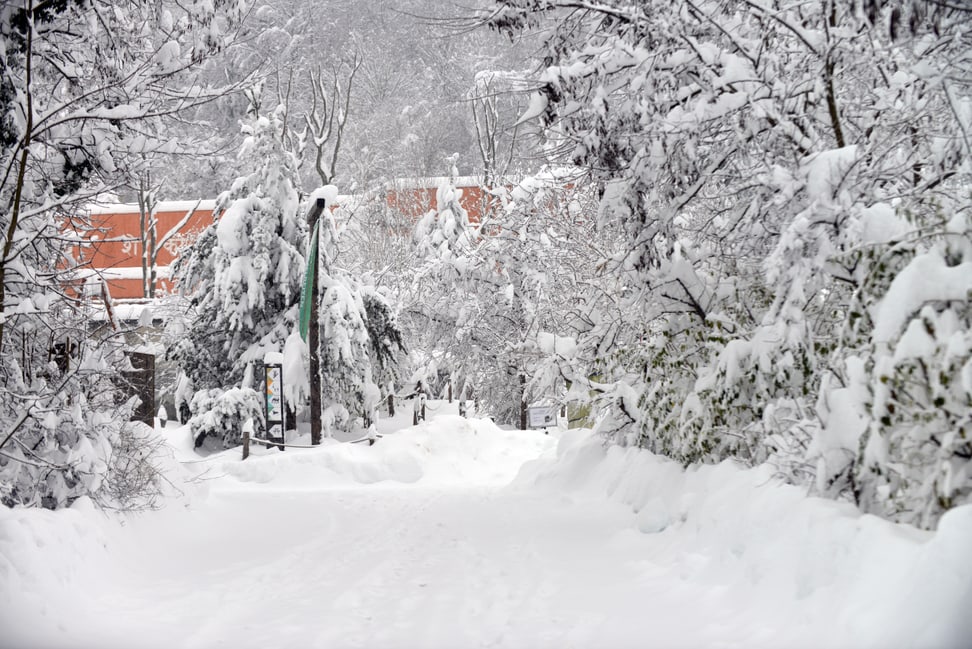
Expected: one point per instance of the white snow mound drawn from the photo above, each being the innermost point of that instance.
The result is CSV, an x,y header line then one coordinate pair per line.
x,y
882,584
449,450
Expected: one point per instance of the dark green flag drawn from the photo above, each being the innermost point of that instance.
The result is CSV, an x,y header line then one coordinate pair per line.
x,y
306,294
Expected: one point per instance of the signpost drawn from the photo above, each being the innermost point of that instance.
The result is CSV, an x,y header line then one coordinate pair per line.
x,y
308,317
542,416
273,402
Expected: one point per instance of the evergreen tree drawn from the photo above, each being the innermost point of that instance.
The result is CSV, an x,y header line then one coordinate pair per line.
x,y
360,342
245,271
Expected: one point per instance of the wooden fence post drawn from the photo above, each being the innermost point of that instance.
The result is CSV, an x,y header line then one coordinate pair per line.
x,y
247,429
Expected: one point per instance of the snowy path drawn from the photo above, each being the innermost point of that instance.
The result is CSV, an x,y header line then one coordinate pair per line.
x,y
403,567
421,542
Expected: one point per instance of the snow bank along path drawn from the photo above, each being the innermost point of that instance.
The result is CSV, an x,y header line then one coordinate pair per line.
x,y
415,542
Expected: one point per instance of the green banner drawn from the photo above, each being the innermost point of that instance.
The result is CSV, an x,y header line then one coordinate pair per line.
x,y
306,294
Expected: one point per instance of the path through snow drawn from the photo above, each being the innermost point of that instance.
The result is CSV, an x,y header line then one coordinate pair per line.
x,y
416,543
391,567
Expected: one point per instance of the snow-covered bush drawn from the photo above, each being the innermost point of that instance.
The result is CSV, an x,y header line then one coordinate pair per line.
x,y
755,390
64,426
218,416
136,478
914,454
57,459
665,373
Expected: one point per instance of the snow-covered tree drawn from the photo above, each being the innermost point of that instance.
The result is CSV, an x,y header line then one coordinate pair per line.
x,y
85,90
493,293
360,342
386,341
244,273
443,243
348,389
754,158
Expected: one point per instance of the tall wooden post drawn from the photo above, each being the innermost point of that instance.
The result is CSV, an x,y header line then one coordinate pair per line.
x,y
313,334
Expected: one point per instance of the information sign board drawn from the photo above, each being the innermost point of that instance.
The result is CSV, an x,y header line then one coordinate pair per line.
x,y
273,402
541,416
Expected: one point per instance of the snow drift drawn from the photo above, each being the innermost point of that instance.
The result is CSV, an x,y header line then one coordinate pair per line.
x,y
450,450
883,584
417,542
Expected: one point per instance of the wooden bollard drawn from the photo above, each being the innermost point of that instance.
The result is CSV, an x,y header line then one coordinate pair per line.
x,y
247,431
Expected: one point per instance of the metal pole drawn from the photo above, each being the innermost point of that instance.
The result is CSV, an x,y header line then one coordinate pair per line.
x,y
312,334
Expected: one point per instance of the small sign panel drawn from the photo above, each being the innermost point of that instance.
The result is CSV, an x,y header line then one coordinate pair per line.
x,y
274,396
541,416
273,402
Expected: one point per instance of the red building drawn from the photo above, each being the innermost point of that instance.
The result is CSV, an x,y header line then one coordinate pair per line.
x,y
118,241
414,197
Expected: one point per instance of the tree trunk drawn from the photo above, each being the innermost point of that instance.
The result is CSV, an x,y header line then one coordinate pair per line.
x,y
523,403
21,175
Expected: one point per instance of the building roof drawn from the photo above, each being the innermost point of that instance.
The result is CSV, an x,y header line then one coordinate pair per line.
x,y
161,206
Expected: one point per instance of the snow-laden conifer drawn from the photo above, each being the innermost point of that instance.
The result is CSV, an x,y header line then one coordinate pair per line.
x,y
245,271
360,343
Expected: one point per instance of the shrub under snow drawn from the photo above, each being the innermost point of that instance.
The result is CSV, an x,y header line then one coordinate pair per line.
x,y
219,416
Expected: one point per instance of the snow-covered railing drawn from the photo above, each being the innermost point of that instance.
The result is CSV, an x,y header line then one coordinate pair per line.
x,y
249,439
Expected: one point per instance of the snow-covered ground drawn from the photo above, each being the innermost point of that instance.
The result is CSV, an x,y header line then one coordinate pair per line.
x,y
458,534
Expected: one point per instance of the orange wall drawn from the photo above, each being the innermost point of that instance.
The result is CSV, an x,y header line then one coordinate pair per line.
x,y
416,202
115,246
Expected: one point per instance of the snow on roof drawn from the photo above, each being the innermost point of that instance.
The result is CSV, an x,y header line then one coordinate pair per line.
x,y
124,311
120,272
433,182
162,206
